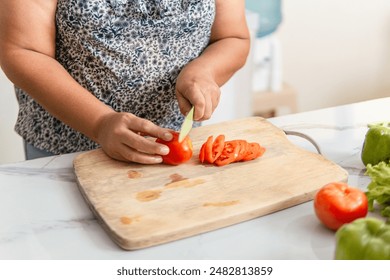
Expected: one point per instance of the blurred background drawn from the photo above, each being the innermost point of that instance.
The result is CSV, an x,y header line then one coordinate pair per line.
x,y
305,55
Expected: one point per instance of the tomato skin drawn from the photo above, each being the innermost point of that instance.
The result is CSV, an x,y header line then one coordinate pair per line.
x,y
179,152
221,152
208,149
229,154
254,151
337,203
218,146
202,153
212,149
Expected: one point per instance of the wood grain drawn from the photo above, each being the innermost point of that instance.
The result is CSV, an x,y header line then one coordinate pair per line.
x,y
142,205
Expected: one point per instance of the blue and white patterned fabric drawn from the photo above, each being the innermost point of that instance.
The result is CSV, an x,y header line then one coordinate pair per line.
x,y
128,53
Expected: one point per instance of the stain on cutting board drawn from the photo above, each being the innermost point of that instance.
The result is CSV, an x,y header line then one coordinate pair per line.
x,y
177,181
149,195
176,178
187,183
134,174
125,220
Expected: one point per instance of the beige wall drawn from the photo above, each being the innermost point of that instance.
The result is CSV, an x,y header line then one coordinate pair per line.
x,y
336,51
11,147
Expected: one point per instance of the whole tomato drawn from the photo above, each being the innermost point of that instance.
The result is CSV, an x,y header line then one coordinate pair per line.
x,y
338,203
179,152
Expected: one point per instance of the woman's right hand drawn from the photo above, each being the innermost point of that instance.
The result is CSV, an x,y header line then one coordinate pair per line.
x,y
122,137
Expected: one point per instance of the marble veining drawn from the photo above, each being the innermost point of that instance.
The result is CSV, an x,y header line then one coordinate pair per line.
x,y
20,231
56,174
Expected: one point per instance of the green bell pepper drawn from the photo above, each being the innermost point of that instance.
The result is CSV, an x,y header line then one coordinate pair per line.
x,y
376,146
363,239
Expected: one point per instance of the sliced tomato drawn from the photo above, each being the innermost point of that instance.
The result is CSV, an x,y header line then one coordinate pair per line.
x,y
229,154
261,151
218,145
208,149
254,151
211,150
243,149
221,152
202,153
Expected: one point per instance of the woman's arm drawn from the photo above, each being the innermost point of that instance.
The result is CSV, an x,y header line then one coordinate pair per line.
x,y
27,50
198,83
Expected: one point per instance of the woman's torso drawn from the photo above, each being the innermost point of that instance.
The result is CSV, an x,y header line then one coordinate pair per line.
x,y
127,53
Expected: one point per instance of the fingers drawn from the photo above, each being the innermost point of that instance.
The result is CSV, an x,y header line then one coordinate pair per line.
x,y
148,128
128,154
184,104
143,144
121,136
205,99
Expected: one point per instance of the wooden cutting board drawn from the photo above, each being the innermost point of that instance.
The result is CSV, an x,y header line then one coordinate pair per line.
x,y
144,205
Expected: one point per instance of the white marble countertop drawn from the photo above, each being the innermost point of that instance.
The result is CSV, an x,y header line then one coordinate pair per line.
x,y
43,215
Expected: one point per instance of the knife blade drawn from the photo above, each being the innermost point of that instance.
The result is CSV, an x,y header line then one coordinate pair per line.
x,y
187,125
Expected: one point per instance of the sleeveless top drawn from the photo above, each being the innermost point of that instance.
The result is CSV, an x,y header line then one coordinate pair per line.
x,y
128,53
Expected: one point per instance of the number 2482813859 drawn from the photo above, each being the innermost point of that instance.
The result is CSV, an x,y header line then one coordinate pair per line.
x,y
241,270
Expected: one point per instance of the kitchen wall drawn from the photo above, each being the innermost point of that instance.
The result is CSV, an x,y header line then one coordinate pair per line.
x,y
11,145
334,52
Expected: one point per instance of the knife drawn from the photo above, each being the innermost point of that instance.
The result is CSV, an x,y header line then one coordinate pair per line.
x,y
187,125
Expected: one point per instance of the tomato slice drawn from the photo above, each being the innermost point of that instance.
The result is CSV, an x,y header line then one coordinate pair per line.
x,y
254,151
221,152
202,153
243,149
208,149
229,154
211,150
260,152
218,145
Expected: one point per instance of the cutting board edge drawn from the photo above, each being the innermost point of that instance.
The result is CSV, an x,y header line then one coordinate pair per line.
x,y
80,158
154,240
113,235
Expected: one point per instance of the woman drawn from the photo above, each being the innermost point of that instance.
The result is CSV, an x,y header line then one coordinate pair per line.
x,y
109,72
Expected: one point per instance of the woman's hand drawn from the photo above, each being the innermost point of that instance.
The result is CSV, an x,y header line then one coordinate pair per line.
x,y
196,87
121,135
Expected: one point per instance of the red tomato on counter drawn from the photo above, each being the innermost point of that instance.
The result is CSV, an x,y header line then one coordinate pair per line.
x,y
338,203
179,152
